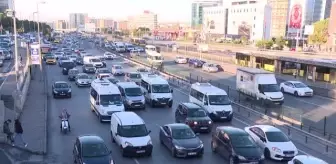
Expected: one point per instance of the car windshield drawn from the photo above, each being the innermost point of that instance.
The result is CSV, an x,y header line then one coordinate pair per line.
x,y
88,65
142,70
94,150
95,60
64,58
242,141
110,99
300,85
133,92
73,56
135,75
219,100
133,130
83,77
183,133
112,80
50,57
269,88
117,67
160,88
61,85
157,57
103,71
196,113
276,137
68,64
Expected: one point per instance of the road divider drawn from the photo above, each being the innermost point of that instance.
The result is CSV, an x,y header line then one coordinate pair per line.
x,y
309,140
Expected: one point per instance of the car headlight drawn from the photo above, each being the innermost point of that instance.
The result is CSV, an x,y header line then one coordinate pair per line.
x,y
210,122
262,156
195,122
201,146
128,144
241,157
55,91
111,162
143,100
149,142
64,69
179,147
69,90
129,101
276,149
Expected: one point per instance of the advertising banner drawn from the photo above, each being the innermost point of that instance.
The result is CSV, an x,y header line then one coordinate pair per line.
x,y
296,14
34,54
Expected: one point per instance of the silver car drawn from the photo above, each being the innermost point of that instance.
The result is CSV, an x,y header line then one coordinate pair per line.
x,y
133,77
83,79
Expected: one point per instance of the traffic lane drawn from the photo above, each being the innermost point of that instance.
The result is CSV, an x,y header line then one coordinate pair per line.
x,y
305,103
82,121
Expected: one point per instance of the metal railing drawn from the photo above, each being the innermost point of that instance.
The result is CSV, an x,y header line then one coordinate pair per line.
x,y
241,110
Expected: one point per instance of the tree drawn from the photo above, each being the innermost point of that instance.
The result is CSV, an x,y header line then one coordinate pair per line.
x,y
320,34
243,39
267,44
280,42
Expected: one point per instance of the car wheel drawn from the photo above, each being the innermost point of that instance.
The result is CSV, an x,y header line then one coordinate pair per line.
x,y
231,161
282,90
99,118
267,154
152,104
296,94
213,147
112,138
122,151
173,152
54,95
170,105
161,142
70,95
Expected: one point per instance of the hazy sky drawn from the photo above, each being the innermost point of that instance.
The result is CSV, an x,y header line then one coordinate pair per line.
x,y
167,10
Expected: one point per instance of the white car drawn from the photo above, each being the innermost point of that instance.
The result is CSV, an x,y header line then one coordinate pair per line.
x,y
58,54
106,45
275,144
180,60
306,159
83,79
73,58
102,72
117,70
133,77
109,56
296,88
210,67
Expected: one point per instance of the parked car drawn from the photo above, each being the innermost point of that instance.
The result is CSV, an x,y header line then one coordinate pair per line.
x,y
296,88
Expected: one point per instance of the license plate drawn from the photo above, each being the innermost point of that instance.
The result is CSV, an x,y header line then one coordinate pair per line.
x,y
140,151
223,117
204,127
62,93
163,103
253,163
136,105
192,153
288,155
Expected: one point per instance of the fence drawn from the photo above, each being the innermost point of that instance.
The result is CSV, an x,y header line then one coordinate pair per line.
x,y
241,110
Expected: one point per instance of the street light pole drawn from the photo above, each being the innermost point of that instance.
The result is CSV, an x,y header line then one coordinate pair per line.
x,y
15,47
39,36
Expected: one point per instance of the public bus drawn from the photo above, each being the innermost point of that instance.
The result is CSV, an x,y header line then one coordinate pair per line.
x,y
153,56
138,41
45,49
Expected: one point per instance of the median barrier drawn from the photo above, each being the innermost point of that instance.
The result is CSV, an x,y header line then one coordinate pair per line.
x,y
296,133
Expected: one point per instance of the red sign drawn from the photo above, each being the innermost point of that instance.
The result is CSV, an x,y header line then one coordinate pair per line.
x,y
295,18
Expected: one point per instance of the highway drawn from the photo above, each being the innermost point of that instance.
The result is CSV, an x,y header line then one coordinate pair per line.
x,y
83,121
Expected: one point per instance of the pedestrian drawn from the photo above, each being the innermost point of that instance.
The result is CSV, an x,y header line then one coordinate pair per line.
x,y
18,132
8,132
295,74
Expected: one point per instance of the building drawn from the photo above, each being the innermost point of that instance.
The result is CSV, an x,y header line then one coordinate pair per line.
x,y
279,17
249,18
77,19
331,43
215,21
90,27
146,19
321,9
197,10
60,24
5,4
122,25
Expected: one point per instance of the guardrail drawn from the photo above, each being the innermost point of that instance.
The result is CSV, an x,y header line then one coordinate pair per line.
x,y
295,133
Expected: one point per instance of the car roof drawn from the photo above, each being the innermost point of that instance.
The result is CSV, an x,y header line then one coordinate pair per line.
x,y
133,72
309,159
90,139
81,74
232,130
60,82
208,88
267,128
191,105
129,118
128,85
154,79
294,81
177,125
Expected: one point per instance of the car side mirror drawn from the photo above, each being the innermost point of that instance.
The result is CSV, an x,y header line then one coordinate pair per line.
x,y
149,131
205,103
263,139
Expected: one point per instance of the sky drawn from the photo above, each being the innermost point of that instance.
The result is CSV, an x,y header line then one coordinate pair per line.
x,y
167,10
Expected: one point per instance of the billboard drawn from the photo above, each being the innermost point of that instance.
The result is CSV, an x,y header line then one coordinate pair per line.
x,y
34,54
295,16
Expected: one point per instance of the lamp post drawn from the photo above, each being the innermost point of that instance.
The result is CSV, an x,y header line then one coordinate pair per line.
x,y
34,20
38,33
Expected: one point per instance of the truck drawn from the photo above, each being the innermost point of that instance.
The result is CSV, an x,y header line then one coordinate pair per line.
x,y
260,85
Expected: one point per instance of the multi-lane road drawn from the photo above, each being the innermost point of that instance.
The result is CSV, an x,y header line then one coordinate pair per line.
x,y
83,121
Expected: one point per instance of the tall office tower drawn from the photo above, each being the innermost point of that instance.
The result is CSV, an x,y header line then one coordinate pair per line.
x,y
197,10
279,17
77,19
5,4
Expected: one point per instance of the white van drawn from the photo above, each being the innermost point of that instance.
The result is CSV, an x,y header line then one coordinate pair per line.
x,y
105,99
259,84
132,94
120,47
214,100
130,133
95,61
156,90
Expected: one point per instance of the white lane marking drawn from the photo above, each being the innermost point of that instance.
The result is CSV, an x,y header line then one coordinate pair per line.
x,y
136,161
6,76
241,121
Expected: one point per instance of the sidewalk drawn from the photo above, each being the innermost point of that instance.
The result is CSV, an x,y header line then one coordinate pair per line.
x,y
34,116
11,155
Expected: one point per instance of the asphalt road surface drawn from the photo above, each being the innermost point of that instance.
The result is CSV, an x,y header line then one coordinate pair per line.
x,y
83,121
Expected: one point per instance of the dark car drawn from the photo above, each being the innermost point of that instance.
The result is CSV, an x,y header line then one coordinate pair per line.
x,y
66,66
91,150
196,63
61,89
89,68
194,116
79,60
236,145
181,140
